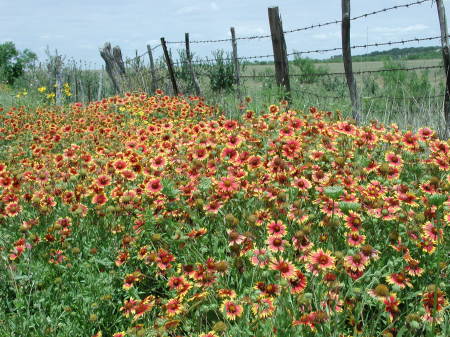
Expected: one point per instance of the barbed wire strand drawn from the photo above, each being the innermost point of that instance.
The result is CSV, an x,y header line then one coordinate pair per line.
x,y
294,53
343,73
319,25
292,31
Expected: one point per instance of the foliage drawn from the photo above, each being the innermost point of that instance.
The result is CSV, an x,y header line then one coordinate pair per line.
x,y
221,73
13,63
308,66
412,53
154,216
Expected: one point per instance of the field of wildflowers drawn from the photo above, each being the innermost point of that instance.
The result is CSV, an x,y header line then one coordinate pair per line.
x,y
155,216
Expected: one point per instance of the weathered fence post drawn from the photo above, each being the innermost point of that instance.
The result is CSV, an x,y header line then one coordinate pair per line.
x,y
114,65
75,78
237,76
58,77
279,51
191,68
54,68
446,57
83,96
100,85
169,67
154,83
347,58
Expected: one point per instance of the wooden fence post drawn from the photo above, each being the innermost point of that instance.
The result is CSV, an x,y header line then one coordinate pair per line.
x,y
75,78
114,65
446,57
58,77
100,85
169,67
154,84
237,76
279,51
347,58
191,68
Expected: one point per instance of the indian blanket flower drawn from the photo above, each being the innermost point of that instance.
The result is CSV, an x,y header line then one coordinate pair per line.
x,y
132,278
208,334
228,185
399,279
276,228
263,307
154,186
393,159
226,293
285,267
234,237
302,184
260,258
119,334
391,304
431,232
356,262
103,180
320,260
174,307
232,309
298,282
276,243
433,301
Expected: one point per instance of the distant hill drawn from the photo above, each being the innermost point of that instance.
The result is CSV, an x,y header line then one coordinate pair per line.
x,y
413,53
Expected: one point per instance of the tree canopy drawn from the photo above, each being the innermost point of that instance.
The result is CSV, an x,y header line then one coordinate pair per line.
x,y
13,62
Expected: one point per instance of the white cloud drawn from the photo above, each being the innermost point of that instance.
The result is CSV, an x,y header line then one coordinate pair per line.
x,y
214,6
242,30
396,30
326,36
187,10
51,36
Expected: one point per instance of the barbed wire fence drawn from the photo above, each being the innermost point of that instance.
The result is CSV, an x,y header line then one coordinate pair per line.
x,y
146,73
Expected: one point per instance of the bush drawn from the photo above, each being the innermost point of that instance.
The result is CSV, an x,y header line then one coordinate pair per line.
x,y
307,66
221,74
13,63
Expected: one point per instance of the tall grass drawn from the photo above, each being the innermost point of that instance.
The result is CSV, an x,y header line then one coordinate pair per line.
x,y
405,98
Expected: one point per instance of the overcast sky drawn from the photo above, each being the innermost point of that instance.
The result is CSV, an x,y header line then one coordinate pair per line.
x,y
78,28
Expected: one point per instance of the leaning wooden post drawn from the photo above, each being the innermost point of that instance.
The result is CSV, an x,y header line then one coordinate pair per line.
x,y
237,76
279,51
347,57
446,57
169,66
191,68
154,84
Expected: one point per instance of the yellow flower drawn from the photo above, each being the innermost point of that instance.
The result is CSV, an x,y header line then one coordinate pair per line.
x,y
42,89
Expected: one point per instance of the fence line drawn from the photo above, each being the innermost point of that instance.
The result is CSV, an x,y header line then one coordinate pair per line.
x,y
319,25
277,36
343,73
294,53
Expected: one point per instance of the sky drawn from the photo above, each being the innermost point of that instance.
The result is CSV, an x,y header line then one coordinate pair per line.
x,y
78,28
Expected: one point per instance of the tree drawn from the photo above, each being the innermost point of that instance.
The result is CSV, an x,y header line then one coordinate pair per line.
x,y
13,63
